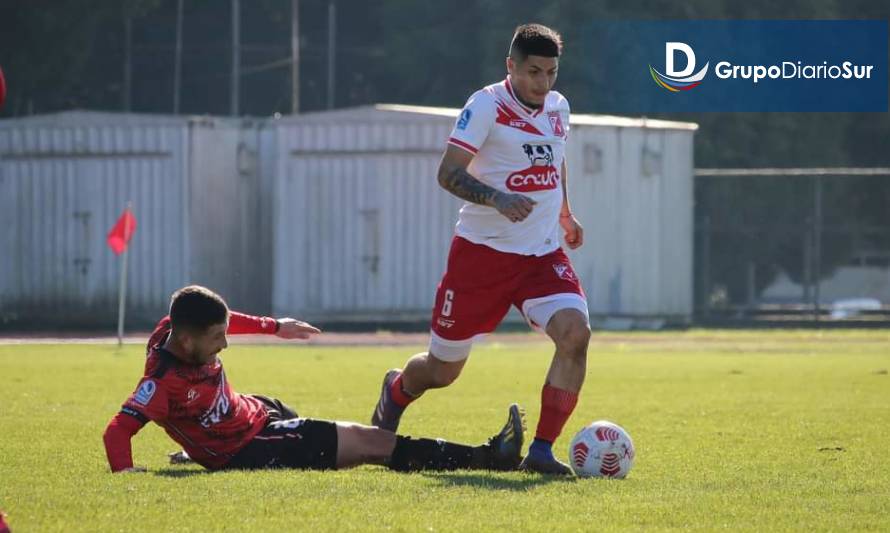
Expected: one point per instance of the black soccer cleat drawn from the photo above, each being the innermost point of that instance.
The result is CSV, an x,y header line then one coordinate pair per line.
x,y
547,466
179,458
387,414
506,446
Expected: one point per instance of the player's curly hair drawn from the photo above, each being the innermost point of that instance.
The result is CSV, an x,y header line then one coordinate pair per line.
x,y
196,308
535,40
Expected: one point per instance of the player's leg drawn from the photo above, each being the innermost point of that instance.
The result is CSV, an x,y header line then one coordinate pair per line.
x,y
358,444
562,314
426,370
472,299
570,333
422,372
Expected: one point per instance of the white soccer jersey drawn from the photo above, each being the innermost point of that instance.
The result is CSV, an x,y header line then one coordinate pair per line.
x,y
517,150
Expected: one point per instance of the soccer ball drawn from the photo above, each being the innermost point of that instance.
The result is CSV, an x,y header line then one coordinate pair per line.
x,y
602,449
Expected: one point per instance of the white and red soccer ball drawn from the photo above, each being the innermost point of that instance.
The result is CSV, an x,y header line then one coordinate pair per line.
x,y
602,449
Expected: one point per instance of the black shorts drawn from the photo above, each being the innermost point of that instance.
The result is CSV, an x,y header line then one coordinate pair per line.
x,y
277,409
290,443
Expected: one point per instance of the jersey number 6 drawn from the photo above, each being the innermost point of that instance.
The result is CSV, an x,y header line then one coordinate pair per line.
x,y
446,305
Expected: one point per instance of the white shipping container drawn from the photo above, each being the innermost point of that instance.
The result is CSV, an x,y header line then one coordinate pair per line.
x,y
329,216
65,179
362,228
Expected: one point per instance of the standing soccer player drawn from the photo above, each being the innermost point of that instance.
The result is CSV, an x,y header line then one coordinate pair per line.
x,y
506,159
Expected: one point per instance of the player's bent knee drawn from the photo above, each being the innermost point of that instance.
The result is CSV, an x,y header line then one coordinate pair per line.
x,y
570,331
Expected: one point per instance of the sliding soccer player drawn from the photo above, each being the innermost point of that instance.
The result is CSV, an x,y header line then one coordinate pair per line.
x,y
186,391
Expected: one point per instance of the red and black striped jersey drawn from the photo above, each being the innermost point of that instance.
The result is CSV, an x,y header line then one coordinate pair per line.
x,y
196,405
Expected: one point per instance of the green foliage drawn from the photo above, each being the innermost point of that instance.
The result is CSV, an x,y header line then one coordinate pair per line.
x,y
759,431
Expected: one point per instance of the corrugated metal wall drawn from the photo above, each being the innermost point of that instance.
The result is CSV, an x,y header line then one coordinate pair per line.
x,y
63,184
333,215
64,180
363,227
227,249
631,188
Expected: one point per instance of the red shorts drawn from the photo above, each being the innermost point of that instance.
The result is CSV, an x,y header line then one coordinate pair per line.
x,y
482,283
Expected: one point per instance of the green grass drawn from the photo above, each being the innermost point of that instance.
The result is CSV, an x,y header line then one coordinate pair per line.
x,y
762,430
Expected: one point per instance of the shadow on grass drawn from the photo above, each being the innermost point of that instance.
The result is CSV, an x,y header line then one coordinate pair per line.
x,y
495,482
178,472
483,480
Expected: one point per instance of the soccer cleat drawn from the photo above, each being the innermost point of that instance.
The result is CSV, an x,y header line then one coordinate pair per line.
x,y
551,467
506,446
388,413
179,458
540,459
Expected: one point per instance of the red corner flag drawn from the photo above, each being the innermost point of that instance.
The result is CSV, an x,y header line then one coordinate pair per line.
x,y
123,230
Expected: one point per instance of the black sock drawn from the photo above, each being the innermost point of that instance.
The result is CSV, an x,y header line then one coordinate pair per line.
x,y
412,455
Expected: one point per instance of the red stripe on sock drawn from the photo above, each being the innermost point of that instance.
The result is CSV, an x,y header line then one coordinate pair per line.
x,y
398,394
556,408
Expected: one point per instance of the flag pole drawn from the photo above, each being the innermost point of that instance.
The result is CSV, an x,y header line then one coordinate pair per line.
x,y
122,293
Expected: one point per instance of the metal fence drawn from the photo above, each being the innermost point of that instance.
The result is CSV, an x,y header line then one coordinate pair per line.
x,y
798,245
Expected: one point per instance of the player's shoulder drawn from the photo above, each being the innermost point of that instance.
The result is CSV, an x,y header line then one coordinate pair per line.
x,y
487,95
159,335
161,365
556,101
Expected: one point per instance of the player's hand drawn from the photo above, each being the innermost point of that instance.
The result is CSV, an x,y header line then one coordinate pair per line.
x,y
132,469
289,328
574,233
516,207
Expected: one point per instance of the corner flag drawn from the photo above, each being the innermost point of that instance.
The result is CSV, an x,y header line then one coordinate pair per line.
x,y
122,232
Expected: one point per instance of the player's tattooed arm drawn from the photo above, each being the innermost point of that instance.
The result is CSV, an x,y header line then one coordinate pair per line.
x,y
454,178
462,184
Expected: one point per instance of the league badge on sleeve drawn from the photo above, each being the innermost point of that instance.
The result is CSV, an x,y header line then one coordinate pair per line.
x,y
464,119
145,392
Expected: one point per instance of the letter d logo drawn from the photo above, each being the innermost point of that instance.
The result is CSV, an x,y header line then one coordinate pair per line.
x,y
683,80
670,50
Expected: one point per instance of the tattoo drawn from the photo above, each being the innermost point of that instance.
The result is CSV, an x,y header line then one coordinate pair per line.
x,y
462,184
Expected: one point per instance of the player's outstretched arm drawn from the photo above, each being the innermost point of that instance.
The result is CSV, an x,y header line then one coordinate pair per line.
x,y
454,178
286,328
117,439
291,328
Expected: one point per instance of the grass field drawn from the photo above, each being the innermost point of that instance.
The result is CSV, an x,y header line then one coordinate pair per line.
x,y
759,430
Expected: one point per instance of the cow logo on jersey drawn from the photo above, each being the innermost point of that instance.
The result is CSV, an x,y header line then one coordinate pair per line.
x,y
540,176
556,123
145,392
564,271
464,120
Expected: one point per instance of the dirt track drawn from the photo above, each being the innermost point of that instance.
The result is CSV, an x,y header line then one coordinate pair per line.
x,y
668,340
326,339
